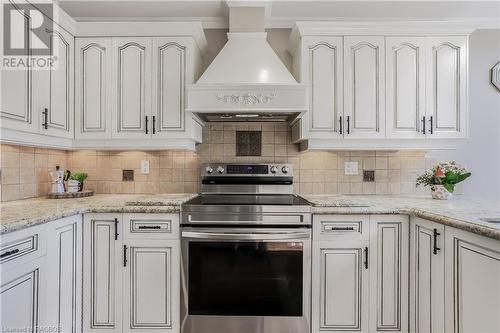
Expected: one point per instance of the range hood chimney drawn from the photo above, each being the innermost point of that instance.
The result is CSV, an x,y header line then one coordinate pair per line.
x,y
246,81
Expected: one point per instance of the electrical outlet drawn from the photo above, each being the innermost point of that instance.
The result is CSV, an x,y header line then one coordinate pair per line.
x,y
351,168
145,167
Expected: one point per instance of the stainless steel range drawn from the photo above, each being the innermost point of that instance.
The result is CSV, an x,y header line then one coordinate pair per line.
x,y
246,252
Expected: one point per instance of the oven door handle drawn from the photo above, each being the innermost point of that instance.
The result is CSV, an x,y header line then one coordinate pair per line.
x,y
246,236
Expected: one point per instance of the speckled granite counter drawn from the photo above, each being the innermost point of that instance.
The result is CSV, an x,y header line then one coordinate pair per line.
x,y
20,214
462,213
459,212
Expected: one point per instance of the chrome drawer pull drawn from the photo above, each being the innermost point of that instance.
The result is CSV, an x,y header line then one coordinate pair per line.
x,y
9,253
149,227
339,228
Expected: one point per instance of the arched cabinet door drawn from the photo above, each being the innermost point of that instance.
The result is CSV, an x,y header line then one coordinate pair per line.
x,y
322,71
364,87
53,98
93,88
131,87
447,87
405,87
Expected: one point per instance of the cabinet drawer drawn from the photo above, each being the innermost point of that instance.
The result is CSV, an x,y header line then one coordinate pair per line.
x,y
21,246
152,226
327,227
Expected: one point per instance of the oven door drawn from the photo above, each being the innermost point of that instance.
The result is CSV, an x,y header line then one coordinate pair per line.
x,y
245,280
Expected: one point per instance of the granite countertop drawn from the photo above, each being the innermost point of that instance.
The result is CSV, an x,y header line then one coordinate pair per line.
x,y
20,214
460,212
463,213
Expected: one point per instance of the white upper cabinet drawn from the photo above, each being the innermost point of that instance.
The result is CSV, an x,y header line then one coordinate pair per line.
x,y
169,77
447,86
405,87
322,70
54,95
16,93
132,87
93,88
364,87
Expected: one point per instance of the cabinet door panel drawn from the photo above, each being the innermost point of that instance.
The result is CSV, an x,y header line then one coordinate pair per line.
x,y
340,287
447,86
64,273
55,88
389,273
473,289
16,90
364,104
169,61
102,282
323,71
93,88
426,277
405,89
20,297
132,79
151,286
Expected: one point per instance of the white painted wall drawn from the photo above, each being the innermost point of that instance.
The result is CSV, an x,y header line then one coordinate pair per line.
x,y
481,152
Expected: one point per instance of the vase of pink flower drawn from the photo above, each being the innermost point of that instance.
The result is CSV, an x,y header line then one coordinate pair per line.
x,y
442,179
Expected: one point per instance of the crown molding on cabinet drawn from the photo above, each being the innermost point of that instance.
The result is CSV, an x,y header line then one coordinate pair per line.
x,y
142,29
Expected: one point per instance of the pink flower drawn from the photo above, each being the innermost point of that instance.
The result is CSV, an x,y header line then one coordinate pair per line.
x,y
440,172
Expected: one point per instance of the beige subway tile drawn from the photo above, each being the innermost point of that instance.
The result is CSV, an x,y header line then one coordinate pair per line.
x,y
40,161
41,175
191,175
381,188
216,151
381,176
292,150
9,148
26,191
394,163
41,189
369,188
281,127
140,177
166,162
90,185
344,188
178,161
27,175
216,137
318,188
177,187
306,188
229,149
115,187
369,163
267,127
306,176
407,187
280,150
393,176
154,187
356,188
10,176
178,175
191,187
166,174
280,137
318,176
296,188
114,175
140,187
267,137
267,150
331,176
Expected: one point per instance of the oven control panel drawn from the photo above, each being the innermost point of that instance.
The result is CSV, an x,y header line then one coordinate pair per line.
x,y
236,169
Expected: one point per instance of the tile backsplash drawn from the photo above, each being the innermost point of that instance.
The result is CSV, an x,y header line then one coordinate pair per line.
x,y
24,170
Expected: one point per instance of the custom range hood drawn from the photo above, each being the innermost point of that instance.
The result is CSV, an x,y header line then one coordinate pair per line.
x,y
246,81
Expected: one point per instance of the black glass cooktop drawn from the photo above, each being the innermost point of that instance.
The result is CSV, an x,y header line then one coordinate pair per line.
x,y
248,199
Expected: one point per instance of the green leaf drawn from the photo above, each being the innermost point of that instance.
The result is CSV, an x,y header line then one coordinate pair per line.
x,y
449,187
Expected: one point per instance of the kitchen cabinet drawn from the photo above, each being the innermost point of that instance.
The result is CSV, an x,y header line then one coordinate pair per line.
x,y
93,88
340,275
131,87
446,86
364,87
405,87
132,272
151,283
427,276
40,101
389,266
322,69
472,289
64,274
102,280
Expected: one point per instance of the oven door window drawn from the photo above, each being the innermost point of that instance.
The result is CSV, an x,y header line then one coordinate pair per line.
x,y
245,278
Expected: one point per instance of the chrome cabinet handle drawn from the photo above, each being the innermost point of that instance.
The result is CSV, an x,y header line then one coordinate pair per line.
x,y
146,124
242,236
348,119
431,120
154,124
9,253
149,227
423,125
435,247
46,118
339,228
340,125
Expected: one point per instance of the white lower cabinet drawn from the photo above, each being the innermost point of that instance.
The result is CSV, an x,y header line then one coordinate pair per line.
x,y
131,273
64,274
426,276
472,282
360,279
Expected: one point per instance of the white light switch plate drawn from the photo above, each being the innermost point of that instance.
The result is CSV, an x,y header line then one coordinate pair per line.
x,y
145,167
351,168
